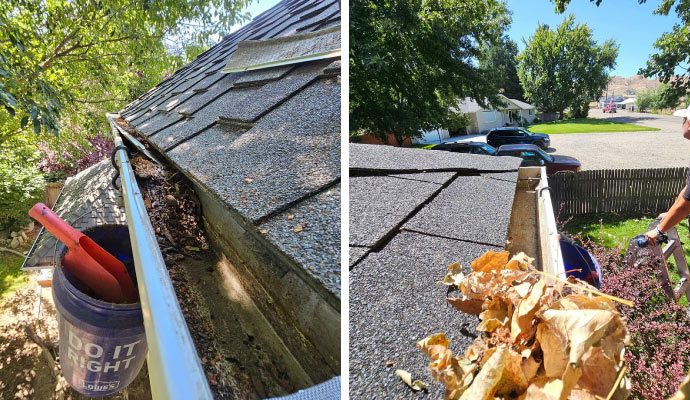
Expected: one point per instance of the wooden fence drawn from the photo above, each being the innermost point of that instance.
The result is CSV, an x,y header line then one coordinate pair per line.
x,y
616,191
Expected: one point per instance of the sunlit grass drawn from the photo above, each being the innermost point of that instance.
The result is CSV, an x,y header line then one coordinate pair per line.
x,y
616,231
11,276
587,125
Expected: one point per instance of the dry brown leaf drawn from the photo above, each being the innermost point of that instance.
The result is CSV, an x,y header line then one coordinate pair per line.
x,y
454,275
248,180
490,261
453,373
582,328
390,363
485,383
264,231
298,229
407,378
496,314
520,262
469,306
570,377
524,314
579,302
530,367
599,372
290,216
553,349
513,378
523,289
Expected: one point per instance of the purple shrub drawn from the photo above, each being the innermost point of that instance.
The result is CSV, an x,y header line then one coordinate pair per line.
x,y
74,157
659,352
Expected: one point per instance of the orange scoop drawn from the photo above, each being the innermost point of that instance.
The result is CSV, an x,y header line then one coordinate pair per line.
x,y
89,262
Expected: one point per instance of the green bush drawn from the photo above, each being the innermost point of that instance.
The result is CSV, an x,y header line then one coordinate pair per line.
x,y
21,183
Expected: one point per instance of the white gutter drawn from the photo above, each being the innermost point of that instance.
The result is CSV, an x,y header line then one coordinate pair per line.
x,y
174,368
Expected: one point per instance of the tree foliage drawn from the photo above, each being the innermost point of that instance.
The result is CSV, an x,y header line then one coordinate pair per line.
x,y
411,60
21,183
565,67
661,98
673,49
502,57
64,63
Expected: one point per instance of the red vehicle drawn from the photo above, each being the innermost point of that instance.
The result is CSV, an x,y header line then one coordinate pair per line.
x,y
611,108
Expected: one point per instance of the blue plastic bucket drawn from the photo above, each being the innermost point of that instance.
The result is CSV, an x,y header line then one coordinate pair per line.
x,y
102,345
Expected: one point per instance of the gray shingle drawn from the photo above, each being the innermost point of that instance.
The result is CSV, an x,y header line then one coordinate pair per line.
x,y
243,104
356,253
289,153
317,246
472,208
379,203
88,199
387,158
435,177
395,301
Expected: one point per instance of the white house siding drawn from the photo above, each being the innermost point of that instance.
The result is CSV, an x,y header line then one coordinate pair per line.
x,y
527,115
485,124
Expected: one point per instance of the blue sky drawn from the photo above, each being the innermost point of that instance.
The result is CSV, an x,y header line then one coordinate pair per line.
x,y
255,8
633,26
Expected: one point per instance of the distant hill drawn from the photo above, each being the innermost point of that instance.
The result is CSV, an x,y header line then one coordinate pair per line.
x,y
629,87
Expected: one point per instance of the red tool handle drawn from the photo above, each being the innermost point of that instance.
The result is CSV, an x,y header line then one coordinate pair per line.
x,y
55,225
78,242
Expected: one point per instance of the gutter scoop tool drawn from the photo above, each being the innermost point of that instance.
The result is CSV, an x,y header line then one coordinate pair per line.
x,y
89,262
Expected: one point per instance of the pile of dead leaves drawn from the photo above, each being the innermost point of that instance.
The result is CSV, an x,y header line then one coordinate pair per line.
x,y
541,339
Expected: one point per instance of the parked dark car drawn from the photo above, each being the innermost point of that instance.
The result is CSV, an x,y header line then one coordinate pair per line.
x,y
533,156
515,135
467,147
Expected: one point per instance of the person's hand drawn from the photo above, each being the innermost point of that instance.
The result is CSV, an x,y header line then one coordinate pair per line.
x,y
652,236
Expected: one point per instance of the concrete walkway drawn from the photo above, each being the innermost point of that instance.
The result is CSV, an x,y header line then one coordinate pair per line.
x,y
623,150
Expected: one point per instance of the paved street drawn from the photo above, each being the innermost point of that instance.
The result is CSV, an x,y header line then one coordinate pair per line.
x,y
622,150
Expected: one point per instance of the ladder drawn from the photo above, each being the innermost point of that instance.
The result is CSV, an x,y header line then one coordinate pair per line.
x,y
635,255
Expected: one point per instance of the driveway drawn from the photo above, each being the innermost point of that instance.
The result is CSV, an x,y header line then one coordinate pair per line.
x,y
627,150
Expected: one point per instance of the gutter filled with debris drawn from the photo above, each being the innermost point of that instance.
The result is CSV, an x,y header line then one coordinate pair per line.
x,y
174,368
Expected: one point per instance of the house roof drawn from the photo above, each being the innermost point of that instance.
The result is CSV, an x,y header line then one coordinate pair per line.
x,y
521,104
265,141
88,199
469,105
413,212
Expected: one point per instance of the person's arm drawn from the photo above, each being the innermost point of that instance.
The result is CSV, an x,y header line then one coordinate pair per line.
x,y
678,211
679,199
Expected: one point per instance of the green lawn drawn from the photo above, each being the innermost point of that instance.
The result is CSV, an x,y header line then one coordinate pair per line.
x,y
614,231
587,125
11,277
423,146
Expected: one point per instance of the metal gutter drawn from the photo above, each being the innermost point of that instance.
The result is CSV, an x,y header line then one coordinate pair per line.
x,y
174,368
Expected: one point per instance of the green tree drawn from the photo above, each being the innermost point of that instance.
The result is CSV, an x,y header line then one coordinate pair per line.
x,y
673,49
645,99
663,97
502,57
411,60
565,67
81,58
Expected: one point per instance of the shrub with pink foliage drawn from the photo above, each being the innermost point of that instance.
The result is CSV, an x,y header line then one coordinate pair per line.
x,y
659,353
74,157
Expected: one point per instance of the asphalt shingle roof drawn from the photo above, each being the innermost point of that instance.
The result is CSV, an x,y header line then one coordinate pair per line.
x,y
88,199
405,228
267,141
